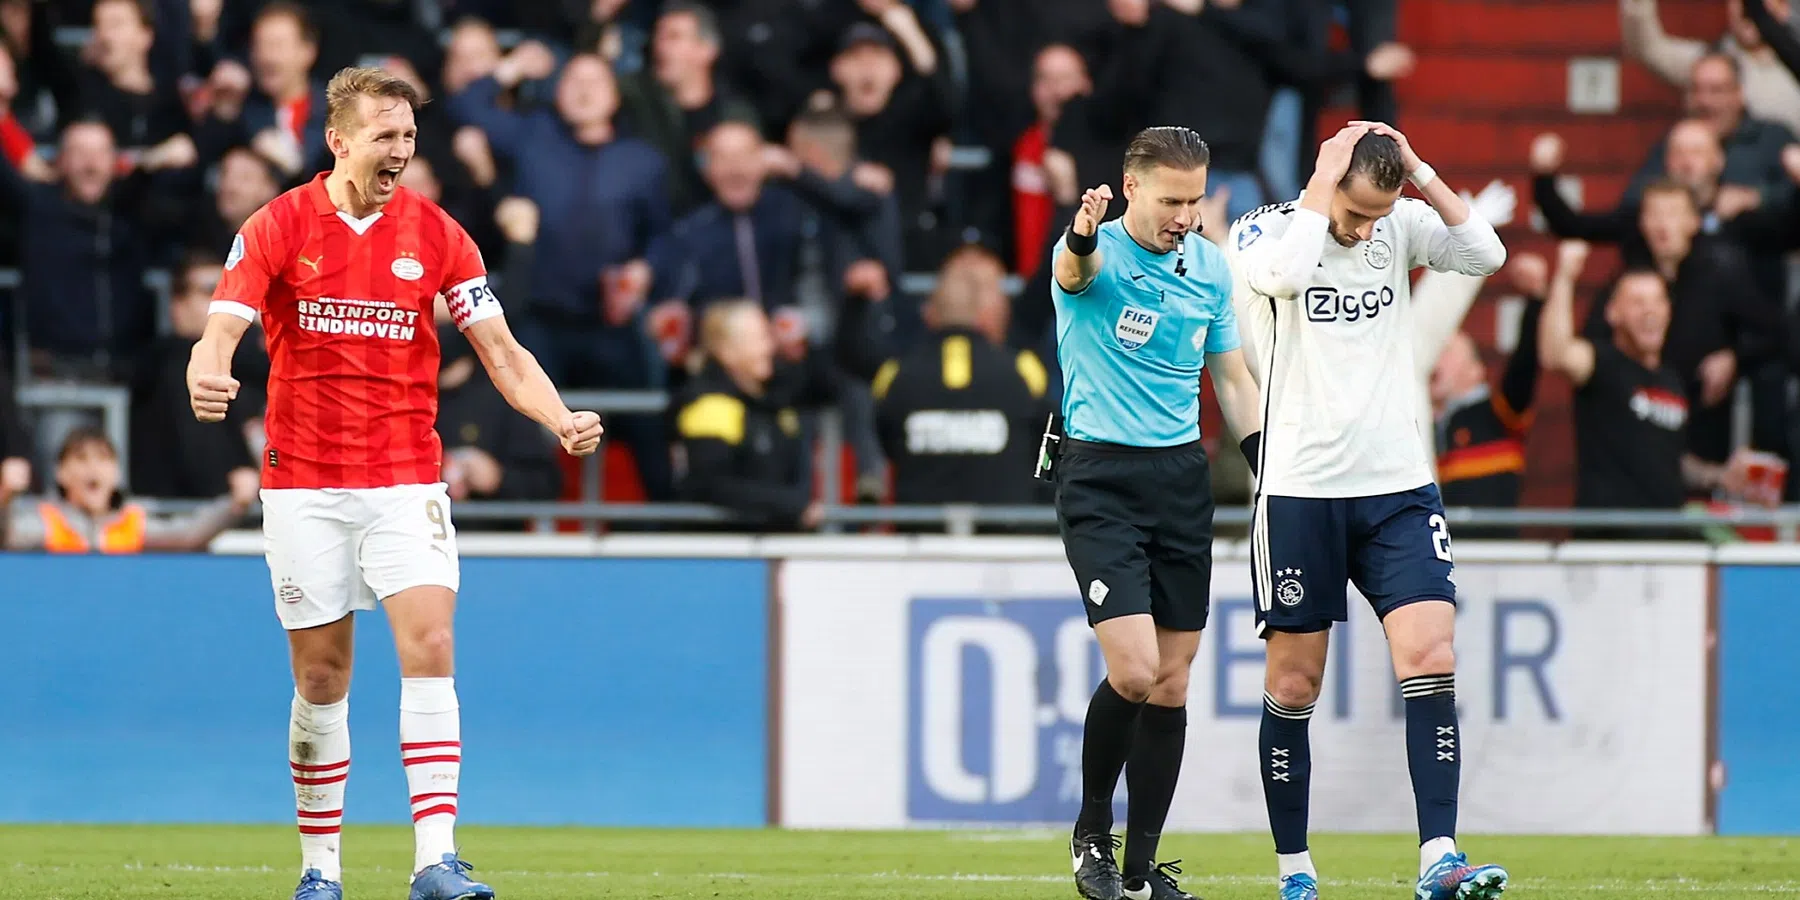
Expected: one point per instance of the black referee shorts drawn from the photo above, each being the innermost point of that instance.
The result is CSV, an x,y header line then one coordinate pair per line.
x,y
1137,525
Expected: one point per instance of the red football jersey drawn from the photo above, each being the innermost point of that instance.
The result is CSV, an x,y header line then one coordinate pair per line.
x,y
347,305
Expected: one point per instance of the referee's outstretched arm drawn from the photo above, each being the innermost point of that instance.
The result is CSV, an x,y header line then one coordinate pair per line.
x,y
1074,270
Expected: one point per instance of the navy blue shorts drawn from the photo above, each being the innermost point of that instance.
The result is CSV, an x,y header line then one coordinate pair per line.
x,y
1303,550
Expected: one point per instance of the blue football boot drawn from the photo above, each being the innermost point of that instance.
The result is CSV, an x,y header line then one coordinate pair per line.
x,y
313,886
1452,878
449,880
1300,886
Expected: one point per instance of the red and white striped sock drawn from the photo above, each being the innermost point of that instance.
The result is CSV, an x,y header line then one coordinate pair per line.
x,y
431,749
319,753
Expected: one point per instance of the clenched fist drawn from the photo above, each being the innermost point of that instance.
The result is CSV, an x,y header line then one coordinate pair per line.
x,y
580,433
211,395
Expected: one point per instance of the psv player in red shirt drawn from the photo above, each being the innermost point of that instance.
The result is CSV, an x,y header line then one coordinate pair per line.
x,y
344,272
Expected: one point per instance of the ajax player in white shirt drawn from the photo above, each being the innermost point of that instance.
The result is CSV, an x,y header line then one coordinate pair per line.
x,y
1345,488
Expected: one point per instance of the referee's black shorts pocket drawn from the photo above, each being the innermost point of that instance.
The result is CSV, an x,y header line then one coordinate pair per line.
x,y
1098,507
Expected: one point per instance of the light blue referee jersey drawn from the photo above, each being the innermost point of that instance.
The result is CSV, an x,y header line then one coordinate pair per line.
x,y
1133,343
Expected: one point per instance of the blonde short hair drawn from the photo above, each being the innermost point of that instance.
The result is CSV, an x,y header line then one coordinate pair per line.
x,y
351,83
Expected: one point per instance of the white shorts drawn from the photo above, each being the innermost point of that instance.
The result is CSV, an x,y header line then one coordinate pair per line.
x,y
333,551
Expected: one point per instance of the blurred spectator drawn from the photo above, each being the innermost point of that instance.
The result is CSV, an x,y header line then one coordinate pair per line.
x,y
1722,323
472,52
960,415
854,213
742,245
376,33
284,119
1715,95
490,451
679,99
90,515
1058,75
84,257
1776,26
173,454
1769,89
901,107
1481,433
245,183
1695,161
1631,409
16,447
1309,69
115,83
602,203
738,423
29,31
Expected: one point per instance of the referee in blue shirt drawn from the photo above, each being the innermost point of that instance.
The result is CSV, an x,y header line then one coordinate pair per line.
x,y
1142,303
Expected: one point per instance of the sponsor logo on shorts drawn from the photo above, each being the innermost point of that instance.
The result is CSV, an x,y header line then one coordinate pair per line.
x,y
1288,589
1097,592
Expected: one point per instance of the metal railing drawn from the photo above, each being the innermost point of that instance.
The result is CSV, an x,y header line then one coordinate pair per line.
x,y
964,519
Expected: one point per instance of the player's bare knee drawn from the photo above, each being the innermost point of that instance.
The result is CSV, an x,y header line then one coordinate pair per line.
x,y
1294,687
322,680
1171,688
428,652
1134,680
1432,656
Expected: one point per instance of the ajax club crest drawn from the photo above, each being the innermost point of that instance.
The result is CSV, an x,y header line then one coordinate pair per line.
x,y
1378,253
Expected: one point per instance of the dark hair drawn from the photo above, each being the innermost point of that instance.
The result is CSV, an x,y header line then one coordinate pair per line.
x,y
1376,157
302,19
1636,270
706,22
1167,145
82,437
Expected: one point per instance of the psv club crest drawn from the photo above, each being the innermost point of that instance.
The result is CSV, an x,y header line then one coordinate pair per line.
x,y
1135,327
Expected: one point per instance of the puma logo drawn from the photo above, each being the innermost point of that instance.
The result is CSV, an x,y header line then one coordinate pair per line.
x,y
311,264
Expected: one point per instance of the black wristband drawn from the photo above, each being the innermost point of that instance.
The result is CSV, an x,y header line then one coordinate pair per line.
x,y
1082,244
1252,448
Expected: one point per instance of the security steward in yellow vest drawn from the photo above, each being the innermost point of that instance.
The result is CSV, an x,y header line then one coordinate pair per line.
x,y
92,516
740,444
960,415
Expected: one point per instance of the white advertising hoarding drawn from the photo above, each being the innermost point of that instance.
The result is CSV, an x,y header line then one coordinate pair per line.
x,y
918,692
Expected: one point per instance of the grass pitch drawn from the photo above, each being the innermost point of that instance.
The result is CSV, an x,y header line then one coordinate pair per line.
x,y
254,862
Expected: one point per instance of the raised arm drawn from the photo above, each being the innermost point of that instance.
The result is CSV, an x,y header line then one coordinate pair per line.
x,y
1777,35
1449,237
1282,266
1672,58
1080,260
1561,349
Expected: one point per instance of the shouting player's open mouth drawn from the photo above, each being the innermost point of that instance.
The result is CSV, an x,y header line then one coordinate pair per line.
x,y
386,179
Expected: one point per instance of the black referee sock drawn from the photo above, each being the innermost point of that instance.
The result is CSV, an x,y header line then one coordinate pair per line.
x,y
1150,777
1433,752
1106,740
1286,752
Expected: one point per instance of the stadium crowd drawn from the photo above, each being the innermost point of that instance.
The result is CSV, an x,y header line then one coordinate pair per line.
x,y
722,200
